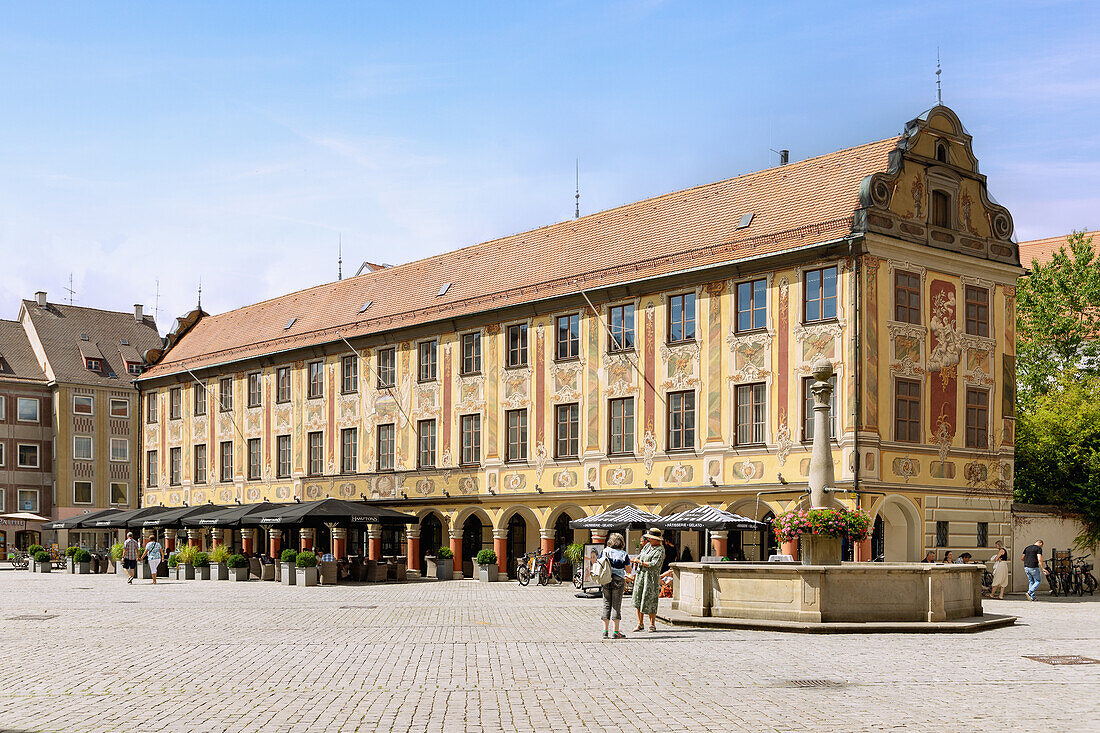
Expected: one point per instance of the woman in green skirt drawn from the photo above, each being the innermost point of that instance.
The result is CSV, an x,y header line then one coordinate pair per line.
x,y
647,578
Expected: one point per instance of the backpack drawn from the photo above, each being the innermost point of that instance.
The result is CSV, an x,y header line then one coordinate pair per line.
x,y
601,570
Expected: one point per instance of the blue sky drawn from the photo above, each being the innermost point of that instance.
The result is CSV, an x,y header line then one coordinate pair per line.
x,y
238,143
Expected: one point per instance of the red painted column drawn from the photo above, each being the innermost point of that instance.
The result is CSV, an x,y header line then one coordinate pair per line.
x,y
719,539
861,552
170,539
305,534
247,541
275,540
500,547
599,536
374,542
547,536
215,537
456,548
412,534
339,542
194,537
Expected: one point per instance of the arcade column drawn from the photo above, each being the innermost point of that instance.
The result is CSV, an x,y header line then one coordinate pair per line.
x,y
339,542
456,548
374,542
412,534
500,547
719,540
305,535
248,539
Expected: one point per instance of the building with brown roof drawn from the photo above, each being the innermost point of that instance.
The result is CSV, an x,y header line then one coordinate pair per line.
x,y
655,354
1042,250
88,359
26,437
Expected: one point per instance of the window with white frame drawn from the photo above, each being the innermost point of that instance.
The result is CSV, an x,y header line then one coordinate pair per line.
x,y
26,455
2,458
83,404
27,409
28,500
82,447
120,407
120,449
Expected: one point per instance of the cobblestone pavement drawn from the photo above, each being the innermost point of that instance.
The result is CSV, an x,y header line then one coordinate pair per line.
x,y
89,653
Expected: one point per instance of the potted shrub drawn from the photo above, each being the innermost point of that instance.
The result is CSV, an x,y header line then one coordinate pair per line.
x,y
444,563
117,551
83,561
487,566
219,557
202,565
306,568
288,558
69,552
820,532
173,565
185,569
32,553
238,565
42,561
574,555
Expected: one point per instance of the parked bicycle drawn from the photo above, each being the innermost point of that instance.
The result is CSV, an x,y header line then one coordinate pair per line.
x,y
534,565
1083,579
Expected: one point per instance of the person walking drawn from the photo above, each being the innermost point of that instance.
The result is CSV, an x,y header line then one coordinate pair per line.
x,y
1034,567
153,553
614,553
130,549
1000,573
647,578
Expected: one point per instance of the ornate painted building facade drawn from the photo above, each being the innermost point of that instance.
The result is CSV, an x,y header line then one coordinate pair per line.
x,y
655,354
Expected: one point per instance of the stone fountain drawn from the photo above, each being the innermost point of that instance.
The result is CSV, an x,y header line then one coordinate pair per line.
x,y
822,593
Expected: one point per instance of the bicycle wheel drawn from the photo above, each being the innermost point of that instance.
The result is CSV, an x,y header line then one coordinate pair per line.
x,y
544,574
1090,583
577,580
523,573
1078,584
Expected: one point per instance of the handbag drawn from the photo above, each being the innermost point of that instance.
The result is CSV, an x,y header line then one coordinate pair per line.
x,y
601,570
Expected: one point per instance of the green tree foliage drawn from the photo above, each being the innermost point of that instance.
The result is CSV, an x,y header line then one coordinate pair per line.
x,y
1058,450
1058,319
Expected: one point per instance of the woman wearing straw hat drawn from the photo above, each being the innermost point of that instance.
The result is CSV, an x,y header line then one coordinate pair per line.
x,y
647,578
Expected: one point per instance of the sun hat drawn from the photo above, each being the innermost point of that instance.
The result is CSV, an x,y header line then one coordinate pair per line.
x,y
654,534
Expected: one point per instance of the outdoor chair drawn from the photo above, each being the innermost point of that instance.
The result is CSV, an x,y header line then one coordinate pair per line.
x,y
327,573
357,569
376,572
255,569
401,573
267,568
103,563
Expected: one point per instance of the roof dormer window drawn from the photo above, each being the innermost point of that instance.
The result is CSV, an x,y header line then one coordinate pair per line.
x,y
94,365
133,368
941,152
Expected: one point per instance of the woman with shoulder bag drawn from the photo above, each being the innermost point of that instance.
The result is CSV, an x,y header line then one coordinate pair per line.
x,y
614,556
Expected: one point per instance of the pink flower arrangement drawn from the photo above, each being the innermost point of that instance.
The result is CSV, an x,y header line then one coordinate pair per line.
x,y
855,524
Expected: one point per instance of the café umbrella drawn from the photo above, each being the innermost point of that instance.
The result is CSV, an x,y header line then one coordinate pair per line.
x,y
328,511
173,517
74,522
709,517
628,516
24,517
229,516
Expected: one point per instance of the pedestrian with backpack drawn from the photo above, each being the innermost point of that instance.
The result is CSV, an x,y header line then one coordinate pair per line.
x,y
611,575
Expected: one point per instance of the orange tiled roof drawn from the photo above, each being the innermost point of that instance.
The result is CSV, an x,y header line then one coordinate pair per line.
x,y
795,205
1043,249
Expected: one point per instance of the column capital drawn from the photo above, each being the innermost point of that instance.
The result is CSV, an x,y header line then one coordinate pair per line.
x,y
306,532
194,534
274,532
548,534
500,534
719,534
374,531
169,534
412,531
248,533
454,534
339,533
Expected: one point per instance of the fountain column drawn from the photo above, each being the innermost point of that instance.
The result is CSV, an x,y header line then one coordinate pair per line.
x,y
821,459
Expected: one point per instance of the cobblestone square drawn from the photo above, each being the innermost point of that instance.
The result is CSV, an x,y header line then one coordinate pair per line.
x,y
89,653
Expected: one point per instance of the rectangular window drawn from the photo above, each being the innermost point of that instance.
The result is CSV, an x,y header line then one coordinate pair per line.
x,y
387,367
28,500
749,414
982,538
120,449
621,423
255,389
820,289
2,457
151,407
174,466
907,411
82,447
471,440
316,453
471,353
517,345
133,367
681,318
282,458
386,446
427,361
941,534
941,210
94,365
226,451
568,336
282,384
151,468
27,409
175,400
82,492
977,418
907,297
198,398
681,420
349,450
977,311
621,322
82,405
516,421
26,455
752,305
225,393
316,379
808,409
119,492
567,431
255,458
120,407
200,463
425,440
349,372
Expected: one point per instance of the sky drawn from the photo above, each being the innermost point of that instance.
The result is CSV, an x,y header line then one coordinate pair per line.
x,y
148,147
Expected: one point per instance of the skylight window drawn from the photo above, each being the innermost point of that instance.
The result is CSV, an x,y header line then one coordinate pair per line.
x,y
365,306
745,221
443,290
289,324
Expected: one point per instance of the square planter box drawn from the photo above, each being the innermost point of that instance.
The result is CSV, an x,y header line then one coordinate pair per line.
x,y
306,576
239,573
70,565
288,573
487,573
83,568
439,568
203,572
220,571
185,572
42,567
144,572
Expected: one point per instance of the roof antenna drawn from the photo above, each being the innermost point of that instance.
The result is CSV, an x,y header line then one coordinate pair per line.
x,y
70,289
939,89
577,196
340,258
156,308
200,292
